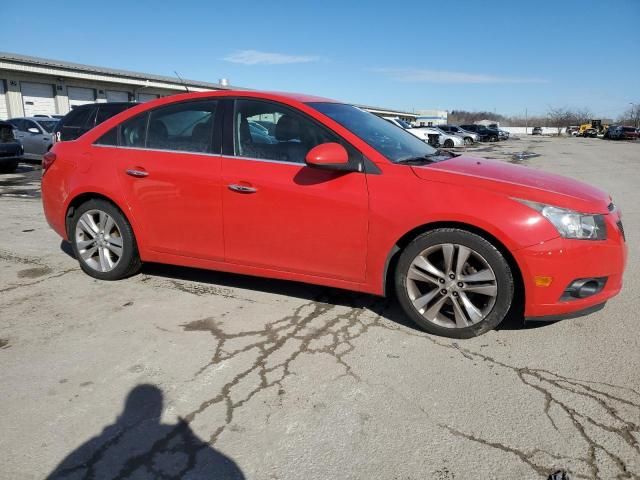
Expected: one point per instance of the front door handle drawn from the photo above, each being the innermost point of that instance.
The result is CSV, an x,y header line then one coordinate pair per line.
x,y
242,188
137,173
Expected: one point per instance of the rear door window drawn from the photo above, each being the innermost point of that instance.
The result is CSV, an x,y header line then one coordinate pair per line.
x,y
133,132
183,127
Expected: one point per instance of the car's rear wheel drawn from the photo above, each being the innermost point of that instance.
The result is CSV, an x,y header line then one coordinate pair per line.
x,y
448,143
454,283
103,241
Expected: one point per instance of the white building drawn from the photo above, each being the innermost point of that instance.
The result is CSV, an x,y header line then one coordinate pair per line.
x,y
32,85
430,118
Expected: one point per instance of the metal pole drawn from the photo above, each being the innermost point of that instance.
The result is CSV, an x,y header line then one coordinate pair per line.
x,y
526,122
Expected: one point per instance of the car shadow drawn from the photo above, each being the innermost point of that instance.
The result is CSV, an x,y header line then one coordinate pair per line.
x,y
138,445
386,307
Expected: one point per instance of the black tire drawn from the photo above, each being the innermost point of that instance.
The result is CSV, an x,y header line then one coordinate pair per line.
x,y
468,140
503,280
448,143
129,262
493,138
8,167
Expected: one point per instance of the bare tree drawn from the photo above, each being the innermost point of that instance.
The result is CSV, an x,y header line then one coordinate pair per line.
x,y
559,117
631,116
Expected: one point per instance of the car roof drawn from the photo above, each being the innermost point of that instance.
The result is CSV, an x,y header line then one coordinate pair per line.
x,y
36,119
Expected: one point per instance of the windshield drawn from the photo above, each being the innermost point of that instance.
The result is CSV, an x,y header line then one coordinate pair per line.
x,y
392,142
48,125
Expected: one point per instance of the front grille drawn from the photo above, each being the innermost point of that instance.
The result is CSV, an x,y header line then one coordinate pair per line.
x,y
621,228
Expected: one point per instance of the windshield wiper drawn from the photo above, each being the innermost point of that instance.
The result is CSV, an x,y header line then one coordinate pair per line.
x,y
417,160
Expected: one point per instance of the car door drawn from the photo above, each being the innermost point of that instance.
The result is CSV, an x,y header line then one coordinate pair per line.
x,y
279,213
31,141
168,165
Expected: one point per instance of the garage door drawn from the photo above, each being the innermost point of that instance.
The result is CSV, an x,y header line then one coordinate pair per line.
x,y
145,97
80,96
116,96
37,98
4,114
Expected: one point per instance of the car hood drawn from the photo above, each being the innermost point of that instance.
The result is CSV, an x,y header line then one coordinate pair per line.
x,y
517,181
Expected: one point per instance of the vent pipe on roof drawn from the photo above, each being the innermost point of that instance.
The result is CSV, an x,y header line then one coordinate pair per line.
x,y
224,82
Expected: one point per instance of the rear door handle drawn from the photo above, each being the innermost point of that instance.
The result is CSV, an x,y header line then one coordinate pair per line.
x,y
242,188
137,173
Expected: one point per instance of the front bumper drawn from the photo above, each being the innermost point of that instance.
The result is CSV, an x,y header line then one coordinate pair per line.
x,y
567,260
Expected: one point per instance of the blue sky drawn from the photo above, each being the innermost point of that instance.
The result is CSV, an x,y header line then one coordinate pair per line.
x,y
491,55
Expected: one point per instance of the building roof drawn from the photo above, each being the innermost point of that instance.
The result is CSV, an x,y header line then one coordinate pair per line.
x,y
47,62
111,72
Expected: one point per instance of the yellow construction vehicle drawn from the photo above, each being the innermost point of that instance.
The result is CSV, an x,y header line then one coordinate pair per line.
x,y
592,129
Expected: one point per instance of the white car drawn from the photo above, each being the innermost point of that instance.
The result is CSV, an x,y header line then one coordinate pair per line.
x,y
431,135
445,139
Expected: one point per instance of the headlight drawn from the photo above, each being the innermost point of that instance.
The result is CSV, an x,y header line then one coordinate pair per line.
x,y
571,224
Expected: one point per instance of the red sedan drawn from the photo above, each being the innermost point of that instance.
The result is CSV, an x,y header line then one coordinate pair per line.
x,y
308,189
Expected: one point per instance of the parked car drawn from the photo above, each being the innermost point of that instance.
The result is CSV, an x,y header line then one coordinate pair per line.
x,y
399,122
43,115
630,133
84,117
343,199
619,132
35,134
590,132
536,131
469,137
445,139
486,134
10,148
433,136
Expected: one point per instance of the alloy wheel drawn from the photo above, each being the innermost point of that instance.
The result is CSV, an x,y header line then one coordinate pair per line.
x,y
99,240
451,285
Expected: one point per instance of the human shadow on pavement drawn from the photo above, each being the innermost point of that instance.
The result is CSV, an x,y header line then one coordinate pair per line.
x,y
138,446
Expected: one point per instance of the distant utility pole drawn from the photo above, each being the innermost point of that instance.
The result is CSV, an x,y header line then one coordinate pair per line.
x,y
526,122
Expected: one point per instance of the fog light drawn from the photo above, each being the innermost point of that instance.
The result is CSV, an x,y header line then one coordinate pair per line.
x,y
543,281
583,288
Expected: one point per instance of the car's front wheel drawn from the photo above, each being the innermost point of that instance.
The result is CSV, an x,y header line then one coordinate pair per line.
x,y
103,241
448,143
454,283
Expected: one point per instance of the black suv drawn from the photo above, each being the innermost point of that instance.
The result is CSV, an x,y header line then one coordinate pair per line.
x,y
486,134
10,148
84,117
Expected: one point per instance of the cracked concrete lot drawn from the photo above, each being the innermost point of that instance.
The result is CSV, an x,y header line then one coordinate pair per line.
x,y
182,373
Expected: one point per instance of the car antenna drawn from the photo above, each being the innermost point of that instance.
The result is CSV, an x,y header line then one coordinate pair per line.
x,y
182,81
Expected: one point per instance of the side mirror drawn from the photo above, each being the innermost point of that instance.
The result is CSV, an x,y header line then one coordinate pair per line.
x,y
33,130
329,156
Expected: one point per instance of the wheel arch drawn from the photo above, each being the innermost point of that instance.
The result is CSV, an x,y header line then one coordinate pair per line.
x,y
398,247
83,197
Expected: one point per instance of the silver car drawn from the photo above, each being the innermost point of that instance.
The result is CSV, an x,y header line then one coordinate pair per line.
x,y
469,137
35,134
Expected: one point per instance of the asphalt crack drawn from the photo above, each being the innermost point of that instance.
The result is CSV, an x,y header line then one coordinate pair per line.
x,y
552,386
